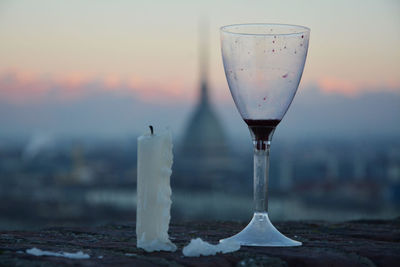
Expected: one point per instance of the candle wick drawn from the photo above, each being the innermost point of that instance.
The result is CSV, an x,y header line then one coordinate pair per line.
x,y
151,130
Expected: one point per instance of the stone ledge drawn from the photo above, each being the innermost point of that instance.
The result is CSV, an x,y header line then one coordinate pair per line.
x,y
354,243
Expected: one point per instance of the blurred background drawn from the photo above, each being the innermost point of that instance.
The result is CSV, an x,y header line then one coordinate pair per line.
x,y
81,80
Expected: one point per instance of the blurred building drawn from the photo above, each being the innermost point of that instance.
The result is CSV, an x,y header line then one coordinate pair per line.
x,y
203,157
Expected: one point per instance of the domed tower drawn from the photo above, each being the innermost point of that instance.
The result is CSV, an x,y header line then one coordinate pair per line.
x,y
203,151
204,134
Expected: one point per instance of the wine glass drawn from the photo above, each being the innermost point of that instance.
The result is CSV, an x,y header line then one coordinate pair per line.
x,y
263,65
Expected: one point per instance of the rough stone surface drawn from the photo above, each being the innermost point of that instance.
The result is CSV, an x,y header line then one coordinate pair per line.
x,y
355,243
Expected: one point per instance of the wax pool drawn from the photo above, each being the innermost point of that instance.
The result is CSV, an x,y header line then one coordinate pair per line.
x,y
154,192
198,247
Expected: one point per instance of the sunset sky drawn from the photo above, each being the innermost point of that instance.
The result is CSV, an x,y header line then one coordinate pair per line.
x,y
150,48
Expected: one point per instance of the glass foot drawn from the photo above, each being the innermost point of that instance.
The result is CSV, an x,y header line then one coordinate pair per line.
x,y
261,232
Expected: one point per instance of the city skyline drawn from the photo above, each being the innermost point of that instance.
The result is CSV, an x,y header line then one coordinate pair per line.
x,y
81,80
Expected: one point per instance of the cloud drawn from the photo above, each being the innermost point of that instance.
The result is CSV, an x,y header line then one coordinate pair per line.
x,y
353,88
21,88
96,111
24,87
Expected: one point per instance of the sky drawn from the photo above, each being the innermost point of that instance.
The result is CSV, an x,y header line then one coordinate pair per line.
x,y
60,53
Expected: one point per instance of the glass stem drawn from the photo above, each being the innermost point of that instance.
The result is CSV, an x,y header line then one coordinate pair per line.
x,y
261,168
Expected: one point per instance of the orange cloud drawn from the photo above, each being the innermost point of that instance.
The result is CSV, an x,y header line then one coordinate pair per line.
x,y
70,86
171,92
112,81
19,87
24,87
72,80
352,88
334,85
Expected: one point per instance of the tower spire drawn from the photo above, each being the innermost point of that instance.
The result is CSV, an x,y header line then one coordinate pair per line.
x,y
203,60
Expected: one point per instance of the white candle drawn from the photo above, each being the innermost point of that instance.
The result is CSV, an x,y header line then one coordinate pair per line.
x,y
154,192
